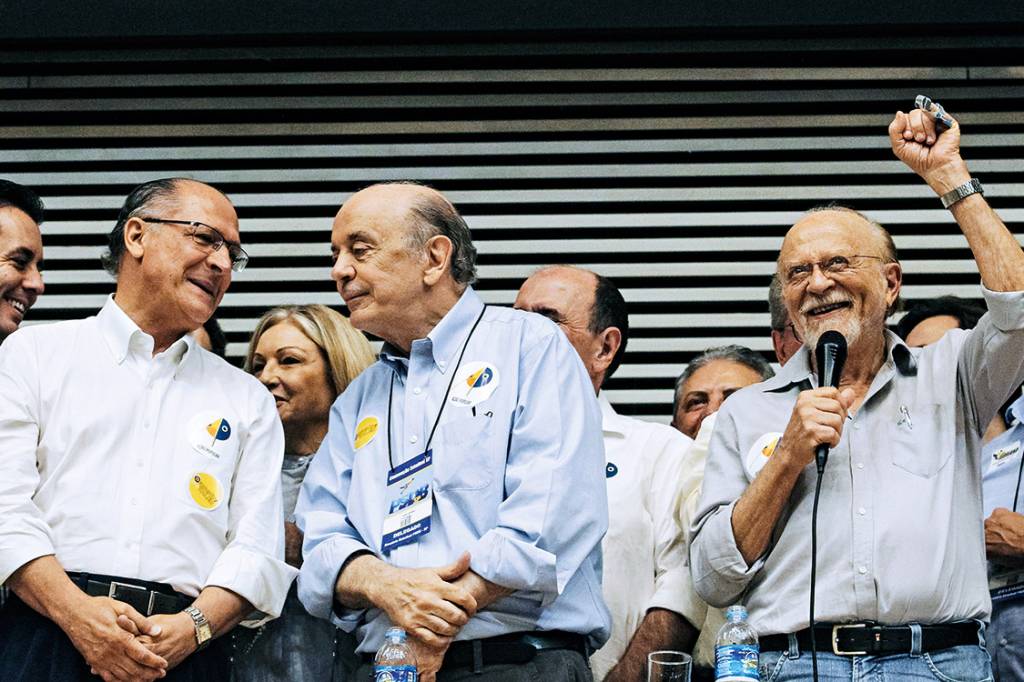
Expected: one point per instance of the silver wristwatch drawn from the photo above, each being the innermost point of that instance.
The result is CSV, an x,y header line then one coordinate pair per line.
x,y
204,633
972,186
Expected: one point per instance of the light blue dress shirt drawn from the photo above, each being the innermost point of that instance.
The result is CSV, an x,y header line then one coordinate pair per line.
x,y
518,478
1000,462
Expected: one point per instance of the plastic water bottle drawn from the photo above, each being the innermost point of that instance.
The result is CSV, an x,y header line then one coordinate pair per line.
x,y
736,648
395,661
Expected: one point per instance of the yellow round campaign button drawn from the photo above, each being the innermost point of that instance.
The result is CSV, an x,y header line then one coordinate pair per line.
x,y
205,490
365,431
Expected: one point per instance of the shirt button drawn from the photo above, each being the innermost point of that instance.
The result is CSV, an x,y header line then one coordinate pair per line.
x,y
442,364
417,390
860,465
1003,641
862,511
862,570
135,502
413,439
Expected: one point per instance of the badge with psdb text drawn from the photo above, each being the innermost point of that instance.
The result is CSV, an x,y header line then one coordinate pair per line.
x,y
410,502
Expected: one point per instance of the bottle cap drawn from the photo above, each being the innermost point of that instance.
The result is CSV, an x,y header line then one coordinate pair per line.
x,y
736,612
395,634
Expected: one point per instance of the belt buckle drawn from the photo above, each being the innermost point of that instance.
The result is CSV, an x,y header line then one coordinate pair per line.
x,y
114,586
835,639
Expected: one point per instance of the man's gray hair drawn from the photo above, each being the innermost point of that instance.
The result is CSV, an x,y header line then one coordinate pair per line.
x,y
776,305
733,353
139,202
434,215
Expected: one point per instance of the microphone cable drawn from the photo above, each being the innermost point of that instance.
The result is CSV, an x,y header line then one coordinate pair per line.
x,y
814,567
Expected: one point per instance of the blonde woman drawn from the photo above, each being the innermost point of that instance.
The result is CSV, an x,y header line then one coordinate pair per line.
x,y
305,355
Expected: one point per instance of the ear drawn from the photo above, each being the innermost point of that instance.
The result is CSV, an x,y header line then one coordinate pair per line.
x,y
779,345
893,283
133,231
439,255
610,340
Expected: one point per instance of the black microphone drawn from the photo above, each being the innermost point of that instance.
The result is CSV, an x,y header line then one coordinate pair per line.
x,y
830,356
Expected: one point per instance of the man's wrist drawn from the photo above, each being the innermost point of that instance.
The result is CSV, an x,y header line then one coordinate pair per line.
x,y
946,178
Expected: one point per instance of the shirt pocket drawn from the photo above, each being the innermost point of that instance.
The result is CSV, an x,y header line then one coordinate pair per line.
x,y
463,454
922,440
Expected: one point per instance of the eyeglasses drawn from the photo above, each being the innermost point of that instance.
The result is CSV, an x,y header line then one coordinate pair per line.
x,y
792,328
209,239
798,274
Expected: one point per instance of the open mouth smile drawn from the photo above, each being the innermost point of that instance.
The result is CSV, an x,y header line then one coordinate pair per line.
x,y
822,310
17,304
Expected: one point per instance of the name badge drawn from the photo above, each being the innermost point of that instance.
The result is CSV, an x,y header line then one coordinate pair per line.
x,y
410,502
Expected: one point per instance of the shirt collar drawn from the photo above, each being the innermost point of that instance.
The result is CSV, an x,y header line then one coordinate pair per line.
x,y
122,334
1015,412
798,369
447,336
611,421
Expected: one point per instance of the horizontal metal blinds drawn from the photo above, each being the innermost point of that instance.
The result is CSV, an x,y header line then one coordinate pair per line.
x,y
672,167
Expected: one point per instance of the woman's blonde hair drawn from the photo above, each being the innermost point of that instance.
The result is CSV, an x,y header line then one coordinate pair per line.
x,y
345,350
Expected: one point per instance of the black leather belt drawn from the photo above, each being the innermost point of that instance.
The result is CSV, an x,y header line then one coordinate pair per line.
x,y
144,596
863,639
514,648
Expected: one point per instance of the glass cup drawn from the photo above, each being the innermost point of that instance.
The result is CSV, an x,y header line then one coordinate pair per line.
x,y
668,666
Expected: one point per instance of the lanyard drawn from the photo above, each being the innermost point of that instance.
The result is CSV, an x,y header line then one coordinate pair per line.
x,y
444,400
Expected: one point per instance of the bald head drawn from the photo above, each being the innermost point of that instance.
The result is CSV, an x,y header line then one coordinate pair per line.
x,y
422,213
588,308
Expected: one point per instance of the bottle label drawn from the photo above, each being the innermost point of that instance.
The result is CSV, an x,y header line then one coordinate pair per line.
x,y
736,662
395,673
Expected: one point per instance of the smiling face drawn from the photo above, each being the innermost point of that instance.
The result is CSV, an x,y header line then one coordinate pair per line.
x,y
379,278
706,389
854,302
293,369
21,255
183,281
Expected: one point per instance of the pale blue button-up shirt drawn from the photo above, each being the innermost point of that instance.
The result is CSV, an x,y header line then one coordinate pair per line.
x,y
518,479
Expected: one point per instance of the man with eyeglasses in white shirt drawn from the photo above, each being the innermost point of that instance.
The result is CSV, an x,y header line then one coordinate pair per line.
x,y
139,495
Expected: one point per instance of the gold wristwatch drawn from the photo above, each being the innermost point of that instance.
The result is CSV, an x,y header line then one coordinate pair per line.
x,y
204,633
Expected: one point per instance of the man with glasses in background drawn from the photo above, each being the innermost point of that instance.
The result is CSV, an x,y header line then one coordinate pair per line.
x,y
139,488
901,580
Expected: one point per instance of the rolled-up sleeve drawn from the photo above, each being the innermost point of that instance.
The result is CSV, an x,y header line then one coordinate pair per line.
x,y
252,564
555,511
321,514
720,573
24,534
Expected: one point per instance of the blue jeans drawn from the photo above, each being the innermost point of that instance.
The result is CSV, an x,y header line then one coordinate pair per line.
x,y
1006,640
969,663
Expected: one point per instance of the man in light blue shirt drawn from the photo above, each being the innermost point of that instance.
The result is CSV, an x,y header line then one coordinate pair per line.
x,y
1002,463
485,547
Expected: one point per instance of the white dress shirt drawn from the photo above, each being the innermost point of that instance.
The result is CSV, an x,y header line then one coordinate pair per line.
x,y
645,550
163,468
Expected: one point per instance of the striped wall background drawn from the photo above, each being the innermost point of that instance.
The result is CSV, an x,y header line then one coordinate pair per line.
x,y
672,167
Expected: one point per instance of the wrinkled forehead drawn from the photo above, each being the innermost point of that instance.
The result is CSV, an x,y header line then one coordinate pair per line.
x,y
197,201
378,212
822,234
565,290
